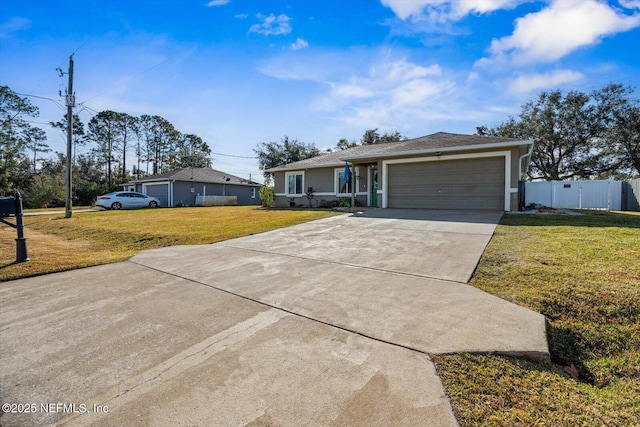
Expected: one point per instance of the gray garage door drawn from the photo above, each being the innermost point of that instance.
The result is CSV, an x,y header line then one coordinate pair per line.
x,y
452,184
161,191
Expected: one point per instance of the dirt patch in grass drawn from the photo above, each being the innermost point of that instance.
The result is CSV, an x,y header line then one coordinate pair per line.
x,y
582,273
91,238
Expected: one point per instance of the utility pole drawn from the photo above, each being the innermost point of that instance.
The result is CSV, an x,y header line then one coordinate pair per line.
x,y
71,101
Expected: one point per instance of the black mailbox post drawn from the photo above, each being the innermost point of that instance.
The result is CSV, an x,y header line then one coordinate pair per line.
x,y
12,206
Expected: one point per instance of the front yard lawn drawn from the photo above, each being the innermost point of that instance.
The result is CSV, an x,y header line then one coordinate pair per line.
x,y
583,274
91,238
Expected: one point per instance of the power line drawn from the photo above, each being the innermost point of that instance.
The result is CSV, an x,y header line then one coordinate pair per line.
x,y
42,97
39,123
82,45
231,155
48,76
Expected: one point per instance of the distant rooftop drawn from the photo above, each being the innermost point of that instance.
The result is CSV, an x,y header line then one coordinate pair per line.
x,y
207,175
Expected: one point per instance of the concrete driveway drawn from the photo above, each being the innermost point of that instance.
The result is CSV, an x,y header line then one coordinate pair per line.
x,y
325,323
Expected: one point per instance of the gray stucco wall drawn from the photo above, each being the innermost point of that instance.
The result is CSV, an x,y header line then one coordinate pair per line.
x,y
183,196
320,179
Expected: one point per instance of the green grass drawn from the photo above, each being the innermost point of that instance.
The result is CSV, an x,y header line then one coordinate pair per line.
x,y
91,238
583,274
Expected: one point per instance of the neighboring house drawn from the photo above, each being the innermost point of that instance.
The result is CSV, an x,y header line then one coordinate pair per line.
x,y
182,186
438,171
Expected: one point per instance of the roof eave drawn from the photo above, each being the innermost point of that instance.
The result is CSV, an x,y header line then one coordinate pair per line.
x,y
515,143
285,168
204,181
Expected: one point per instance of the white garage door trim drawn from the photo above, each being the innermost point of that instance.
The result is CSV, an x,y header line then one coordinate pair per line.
x,y
507,170
169,190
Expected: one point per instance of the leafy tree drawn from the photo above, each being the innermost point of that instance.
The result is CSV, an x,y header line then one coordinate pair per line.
x,y
344,143
564,132
46,190
392,137
77,131
105,133
267,194
128,127
160,139
13,127
372,136
89,181
34,142
273,154
618,116
190,151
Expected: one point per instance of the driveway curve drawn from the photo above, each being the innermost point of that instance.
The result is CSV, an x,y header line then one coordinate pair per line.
x,y
326,323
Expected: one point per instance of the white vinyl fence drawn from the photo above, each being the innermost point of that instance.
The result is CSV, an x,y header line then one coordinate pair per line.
x,y
575,194
216,200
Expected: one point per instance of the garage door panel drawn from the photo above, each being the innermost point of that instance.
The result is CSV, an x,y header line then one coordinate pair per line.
x,y
453,184
160,191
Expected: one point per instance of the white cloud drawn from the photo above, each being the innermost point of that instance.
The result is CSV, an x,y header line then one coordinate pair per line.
x,y
299,44
630,4
241,16
393,93
218,3
13,25
527,83
445,10
559,29
272,25
402,70
351,90
405,9
399,82
370,89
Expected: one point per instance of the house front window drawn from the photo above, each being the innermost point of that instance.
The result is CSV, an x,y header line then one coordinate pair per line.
x,y
253,193
295,183
342,187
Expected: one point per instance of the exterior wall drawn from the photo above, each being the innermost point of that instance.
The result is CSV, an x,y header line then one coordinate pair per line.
x,y
183,196
278,182
320,179
515,169
246,195
514,202
323,181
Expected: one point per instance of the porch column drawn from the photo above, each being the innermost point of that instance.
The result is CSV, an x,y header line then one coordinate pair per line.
x,y
354,182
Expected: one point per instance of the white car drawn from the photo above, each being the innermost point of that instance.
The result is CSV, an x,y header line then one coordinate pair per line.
x,y
126,200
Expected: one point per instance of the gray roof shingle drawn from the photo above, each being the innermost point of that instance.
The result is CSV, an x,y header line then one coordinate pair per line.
x,y
433,142
207,175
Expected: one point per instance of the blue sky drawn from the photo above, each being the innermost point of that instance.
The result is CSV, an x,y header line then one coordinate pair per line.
x,y
240,72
